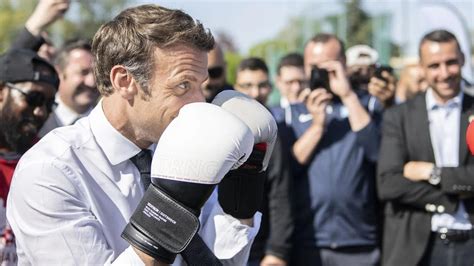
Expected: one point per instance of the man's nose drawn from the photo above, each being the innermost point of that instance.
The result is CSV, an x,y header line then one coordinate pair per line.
x,y
254,92
443,71
41,112
89,80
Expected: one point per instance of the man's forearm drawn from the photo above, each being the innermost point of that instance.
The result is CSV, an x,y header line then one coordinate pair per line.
x,y
306,144
358,116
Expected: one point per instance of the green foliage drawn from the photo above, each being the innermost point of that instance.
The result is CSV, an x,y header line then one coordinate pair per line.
x,y
359,24
232,60
92,14
354,26
11,20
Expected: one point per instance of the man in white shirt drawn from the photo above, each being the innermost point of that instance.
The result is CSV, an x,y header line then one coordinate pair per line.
x,y
74,192
77,93
424,170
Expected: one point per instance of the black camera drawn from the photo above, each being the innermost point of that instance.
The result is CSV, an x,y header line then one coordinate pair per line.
x,y
319,79
379,69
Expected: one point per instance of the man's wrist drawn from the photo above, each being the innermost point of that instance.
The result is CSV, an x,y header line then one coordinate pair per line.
x,y
31,26
435,176
348,97
248,222
147,259
316,127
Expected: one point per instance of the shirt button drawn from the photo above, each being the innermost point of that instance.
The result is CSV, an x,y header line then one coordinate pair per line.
x,y
430,207
440,209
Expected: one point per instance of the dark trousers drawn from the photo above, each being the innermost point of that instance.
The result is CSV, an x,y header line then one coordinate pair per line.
x,y
354,256
446,252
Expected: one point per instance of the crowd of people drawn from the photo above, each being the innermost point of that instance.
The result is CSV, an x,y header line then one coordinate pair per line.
x,y
134,149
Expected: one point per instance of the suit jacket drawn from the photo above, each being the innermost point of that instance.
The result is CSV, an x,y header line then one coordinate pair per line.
x,y
409,205
51,123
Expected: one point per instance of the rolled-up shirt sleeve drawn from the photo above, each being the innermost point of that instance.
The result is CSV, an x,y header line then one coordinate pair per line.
x,y
52,221
54,224
226,236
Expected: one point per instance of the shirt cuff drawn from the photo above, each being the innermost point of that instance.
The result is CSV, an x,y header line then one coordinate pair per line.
x,y
226,236
129,257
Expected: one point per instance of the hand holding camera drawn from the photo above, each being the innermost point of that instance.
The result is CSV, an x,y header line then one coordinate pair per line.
x,y
382,84
331,76
316,103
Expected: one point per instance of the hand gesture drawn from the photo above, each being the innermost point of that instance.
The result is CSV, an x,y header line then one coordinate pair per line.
x,y
45,13
337,78
316,104
383,89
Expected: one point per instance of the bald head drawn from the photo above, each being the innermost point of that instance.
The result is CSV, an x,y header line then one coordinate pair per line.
x,y
322,48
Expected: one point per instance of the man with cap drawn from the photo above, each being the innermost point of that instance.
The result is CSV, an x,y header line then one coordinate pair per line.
x,y
365,73
27,87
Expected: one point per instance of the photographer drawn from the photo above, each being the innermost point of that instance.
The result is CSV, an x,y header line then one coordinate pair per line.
x,y
365,73
338,140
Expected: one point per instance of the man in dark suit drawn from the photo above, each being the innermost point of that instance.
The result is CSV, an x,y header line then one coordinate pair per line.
x,y
425,174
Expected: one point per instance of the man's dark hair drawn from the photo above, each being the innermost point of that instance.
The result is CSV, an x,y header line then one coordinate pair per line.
x,y
131,38
326,37
253,63
62,56
291,59
441,36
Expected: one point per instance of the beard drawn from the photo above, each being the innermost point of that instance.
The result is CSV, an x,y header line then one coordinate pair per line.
x,y
18,132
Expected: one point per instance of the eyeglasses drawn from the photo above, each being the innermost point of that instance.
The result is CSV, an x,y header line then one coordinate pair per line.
x,y
261,85
34,98
300,82
215,72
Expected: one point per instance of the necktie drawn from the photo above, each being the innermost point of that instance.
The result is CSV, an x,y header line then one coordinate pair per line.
x,y
143,162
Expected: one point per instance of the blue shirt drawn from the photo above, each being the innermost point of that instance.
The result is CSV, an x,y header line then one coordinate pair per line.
x,y
336,201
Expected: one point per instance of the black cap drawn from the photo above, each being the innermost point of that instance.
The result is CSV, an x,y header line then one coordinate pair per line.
x,y
21,65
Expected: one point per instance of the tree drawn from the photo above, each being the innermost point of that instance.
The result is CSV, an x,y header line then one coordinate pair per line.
x,y
92,14
11,20
81,21
359,24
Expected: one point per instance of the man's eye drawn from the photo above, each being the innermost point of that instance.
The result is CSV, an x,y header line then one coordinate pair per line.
x,y
184,85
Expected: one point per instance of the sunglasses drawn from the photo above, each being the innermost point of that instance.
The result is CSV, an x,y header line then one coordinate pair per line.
x,y
34,98
215,72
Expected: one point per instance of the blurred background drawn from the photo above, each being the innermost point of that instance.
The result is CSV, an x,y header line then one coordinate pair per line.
x,y
270,29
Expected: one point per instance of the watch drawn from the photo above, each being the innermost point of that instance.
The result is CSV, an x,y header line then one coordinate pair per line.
x,y
435,176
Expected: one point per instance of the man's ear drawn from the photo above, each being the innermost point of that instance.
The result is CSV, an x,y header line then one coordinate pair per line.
x,y
60,72
461,58
123,82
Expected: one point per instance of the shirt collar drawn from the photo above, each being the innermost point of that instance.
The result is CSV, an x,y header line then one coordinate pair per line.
x,y
431,103
117,148
66,115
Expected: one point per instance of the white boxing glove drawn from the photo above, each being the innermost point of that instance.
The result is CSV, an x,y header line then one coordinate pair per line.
x,y
193,154
241,191
255,115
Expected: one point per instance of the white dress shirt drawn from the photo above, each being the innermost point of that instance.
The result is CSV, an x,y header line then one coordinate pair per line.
x,y
73,193
62,115
444,133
